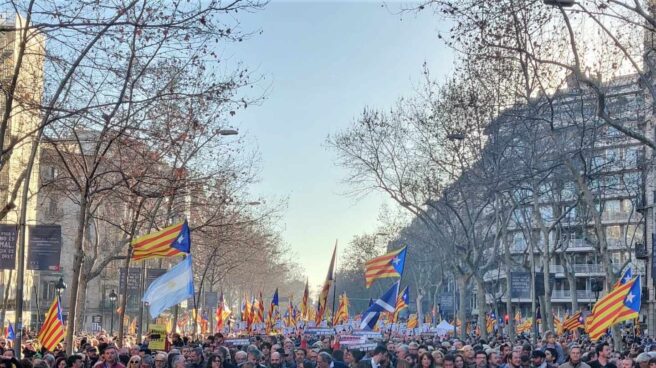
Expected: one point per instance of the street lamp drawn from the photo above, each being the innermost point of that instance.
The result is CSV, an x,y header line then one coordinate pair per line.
x,y
112,299
227,132
60,286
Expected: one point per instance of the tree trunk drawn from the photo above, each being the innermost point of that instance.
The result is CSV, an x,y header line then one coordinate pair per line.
x,y
462,301
5,299
82,297
481,304
77,266
509,308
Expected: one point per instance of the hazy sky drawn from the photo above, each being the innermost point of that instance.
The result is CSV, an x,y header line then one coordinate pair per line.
x,y
323,62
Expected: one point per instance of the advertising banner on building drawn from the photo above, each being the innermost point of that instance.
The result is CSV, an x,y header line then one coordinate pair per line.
x,y
44,247
8,236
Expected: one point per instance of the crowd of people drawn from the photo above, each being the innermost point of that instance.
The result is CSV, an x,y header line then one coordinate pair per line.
x,y
326,352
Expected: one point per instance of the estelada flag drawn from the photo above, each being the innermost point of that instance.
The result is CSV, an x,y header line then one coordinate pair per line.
x,y
52,331
387,265
167,242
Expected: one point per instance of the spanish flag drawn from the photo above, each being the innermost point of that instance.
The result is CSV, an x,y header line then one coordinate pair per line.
x,y
167,242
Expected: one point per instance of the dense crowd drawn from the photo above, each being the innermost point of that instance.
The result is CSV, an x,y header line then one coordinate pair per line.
x,y
326,352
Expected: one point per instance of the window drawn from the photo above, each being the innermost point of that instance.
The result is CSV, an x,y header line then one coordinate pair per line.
x,y
613,232
48,290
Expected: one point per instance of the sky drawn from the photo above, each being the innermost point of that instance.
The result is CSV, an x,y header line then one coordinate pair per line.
x,y
321,64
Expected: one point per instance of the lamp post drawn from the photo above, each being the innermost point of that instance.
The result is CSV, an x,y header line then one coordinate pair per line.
x,y
60,286
112,300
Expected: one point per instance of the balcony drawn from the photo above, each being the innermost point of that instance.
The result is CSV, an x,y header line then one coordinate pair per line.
x,y
566,294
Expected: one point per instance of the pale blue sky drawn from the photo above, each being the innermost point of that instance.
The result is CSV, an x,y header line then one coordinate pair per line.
x,y
323,62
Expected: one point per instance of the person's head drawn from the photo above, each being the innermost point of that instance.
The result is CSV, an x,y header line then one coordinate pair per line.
x,y
551,355
438,357
516,358
74,361
459,361
643,360
300,355
549,338
505,350
468,353
426,361
380,354
324,360
493,359
288,345
538,357
652,362
215,361
480,358
196,355
60,362
525,361
626,363
266,348
457,345
276,359
134,362
449,361
313,355
179,362
160,360
110,355
254,356
603,350
413,348
241,357
402,351
575,354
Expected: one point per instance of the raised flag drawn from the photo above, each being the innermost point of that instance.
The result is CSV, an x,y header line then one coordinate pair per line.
x,y
304,302
167,242
573,322
273,313
219,313
558,324
387,265
176,285
341,315
413,321
607,309
10,332
402,302
631,308
385,303
323,297
52,331
627,275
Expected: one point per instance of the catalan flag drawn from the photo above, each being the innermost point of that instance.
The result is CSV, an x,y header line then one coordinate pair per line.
x,y
573,322
273,311
558,324
167,242
607,309
387,265
490,322
341,315
413,321
402,302
52,331
631,308
323,297
219,313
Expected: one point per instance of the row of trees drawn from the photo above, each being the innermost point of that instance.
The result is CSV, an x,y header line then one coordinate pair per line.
x,y
119,109
523,154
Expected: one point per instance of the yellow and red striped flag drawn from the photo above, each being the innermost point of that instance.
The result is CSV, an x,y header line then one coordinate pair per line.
x,y
167,242
607,309
413,321
402,301
341,315
573,322
387,265
52,331
323,297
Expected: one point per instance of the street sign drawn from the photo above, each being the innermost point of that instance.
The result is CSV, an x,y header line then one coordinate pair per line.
x,y
44,247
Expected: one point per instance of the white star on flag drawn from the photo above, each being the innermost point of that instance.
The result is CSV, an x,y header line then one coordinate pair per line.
x,y
181,239
627,279
396,261
630,297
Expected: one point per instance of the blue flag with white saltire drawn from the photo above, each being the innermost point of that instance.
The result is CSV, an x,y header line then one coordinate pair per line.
x,y
171,288
386,303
